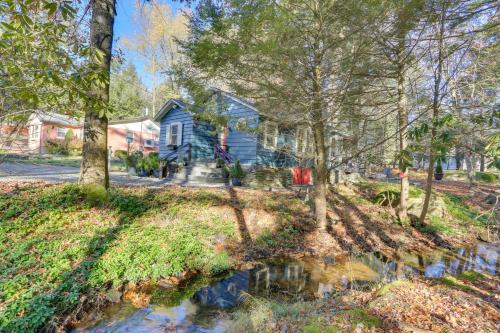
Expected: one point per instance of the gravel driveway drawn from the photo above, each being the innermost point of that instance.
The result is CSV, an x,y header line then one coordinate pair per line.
x,y
63,174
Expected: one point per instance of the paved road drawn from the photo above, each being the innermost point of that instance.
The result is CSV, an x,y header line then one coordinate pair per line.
x,y
61,174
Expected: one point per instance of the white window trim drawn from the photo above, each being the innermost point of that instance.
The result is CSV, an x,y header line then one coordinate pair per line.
x,y
169,134
133,136
275,137
65,130
35,129
305,137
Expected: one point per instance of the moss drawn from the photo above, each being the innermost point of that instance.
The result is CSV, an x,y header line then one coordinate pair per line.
x,y
316,325
388,287
359,316
95,194
471,276
451,281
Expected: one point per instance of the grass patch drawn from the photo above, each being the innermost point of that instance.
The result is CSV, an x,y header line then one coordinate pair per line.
x,y
461,212
438,226
61,242
487,177
68,161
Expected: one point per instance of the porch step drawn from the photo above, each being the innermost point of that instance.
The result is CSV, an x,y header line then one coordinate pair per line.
x,y
198,174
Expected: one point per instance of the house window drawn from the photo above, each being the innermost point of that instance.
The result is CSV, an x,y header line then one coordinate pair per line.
x,y
332,150
61,132
301,140
130,137
270,135
35,132
174,134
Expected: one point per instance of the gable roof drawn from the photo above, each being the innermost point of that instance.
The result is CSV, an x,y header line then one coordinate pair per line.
x,y
235,98
174,103
169,105
58,119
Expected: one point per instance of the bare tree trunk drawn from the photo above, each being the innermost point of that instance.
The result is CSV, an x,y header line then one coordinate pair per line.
x,y
435,114
458,158
403,123
320,166
94,167
321,181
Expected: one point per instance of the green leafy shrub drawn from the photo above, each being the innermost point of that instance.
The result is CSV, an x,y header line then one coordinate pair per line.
x,y
486,177
56,147
439,168
154,160
121,155
133,158
387,198
237,171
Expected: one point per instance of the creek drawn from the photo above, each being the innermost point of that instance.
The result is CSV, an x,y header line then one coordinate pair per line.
x,y
199,306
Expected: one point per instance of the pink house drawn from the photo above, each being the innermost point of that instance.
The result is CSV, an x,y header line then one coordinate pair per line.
x,y
135,134
43,127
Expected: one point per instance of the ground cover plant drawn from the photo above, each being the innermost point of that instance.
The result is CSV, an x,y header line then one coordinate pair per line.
x,y
63,243
63,247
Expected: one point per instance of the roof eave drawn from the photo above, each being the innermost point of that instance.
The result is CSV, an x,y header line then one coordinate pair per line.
x,y
165,109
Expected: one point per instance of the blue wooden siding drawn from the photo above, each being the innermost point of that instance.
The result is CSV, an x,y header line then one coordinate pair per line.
x,y
203,141
176,115
242,145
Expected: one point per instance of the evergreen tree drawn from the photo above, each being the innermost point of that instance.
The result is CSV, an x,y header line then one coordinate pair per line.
x,y
126,92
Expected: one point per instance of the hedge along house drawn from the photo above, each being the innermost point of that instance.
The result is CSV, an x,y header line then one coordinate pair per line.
x,y
271,154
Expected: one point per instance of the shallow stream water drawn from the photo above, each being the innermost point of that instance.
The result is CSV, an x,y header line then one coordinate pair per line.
x,y
197,307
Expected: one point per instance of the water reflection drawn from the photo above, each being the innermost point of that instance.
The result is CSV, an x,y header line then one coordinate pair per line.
x,y
304,278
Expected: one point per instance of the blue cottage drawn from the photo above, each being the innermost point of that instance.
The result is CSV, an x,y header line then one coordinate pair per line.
x,y
247,136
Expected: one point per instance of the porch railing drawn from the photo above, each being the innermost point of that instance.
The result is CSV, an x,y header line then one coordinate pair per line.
x,y
219,152
173,155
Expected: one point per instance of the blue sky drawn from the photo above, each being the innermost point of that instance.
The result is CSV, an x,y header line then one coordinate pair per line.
x,y
124,26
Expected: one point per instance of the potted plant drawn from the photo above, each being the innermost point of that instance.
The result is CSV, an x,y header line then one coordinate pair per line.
x,y
142,167
237,174
438,173
225,172
154,164
219,163
130,163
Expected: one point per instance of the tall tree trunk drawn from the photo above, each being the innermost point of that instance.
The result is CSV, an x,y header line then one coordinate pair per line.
x,y
458,158
403,123
94,167
435,114
320,166
321,173
470,168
